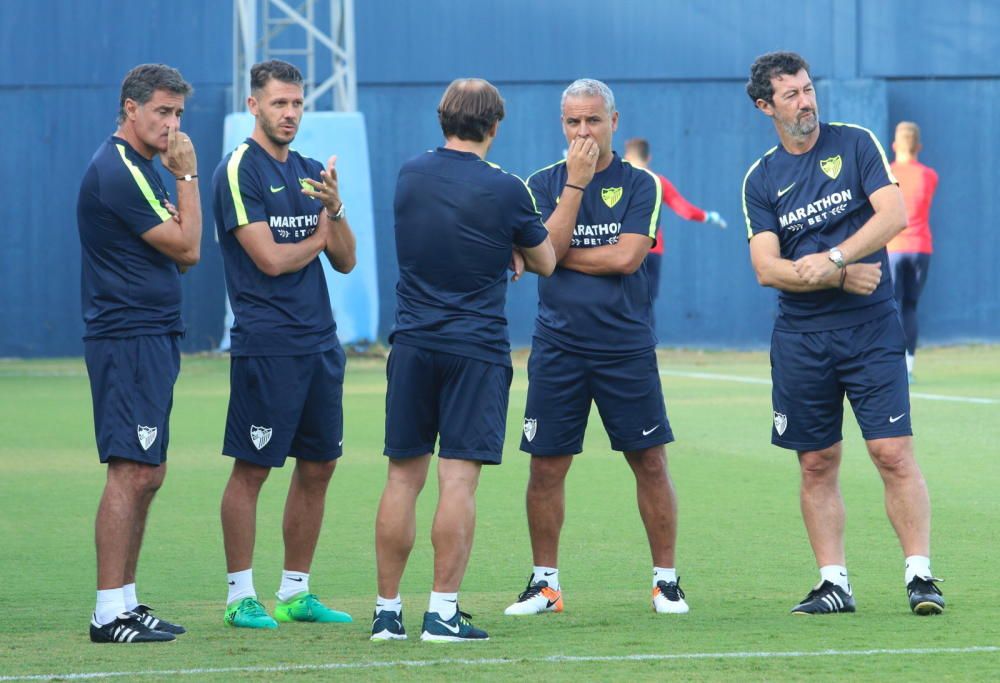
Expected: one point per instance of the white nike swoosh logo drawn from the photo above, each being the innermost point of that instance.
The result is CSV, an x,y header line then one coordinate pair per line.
x,y
785,191
648,432
453,629
897,418
340,443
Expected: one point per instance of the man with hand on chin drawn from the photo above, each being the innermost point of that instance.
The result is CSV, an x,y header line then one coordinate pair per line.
x,y
276,212
135,244
594,343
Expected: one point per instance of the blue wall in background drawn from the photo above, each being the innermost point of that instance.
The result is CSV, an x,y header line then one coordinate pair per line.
x,y
677,69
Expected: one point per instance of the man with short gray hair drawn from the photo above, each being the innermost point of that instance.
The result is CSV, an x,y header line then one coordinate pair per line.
x,y
135,245
594,342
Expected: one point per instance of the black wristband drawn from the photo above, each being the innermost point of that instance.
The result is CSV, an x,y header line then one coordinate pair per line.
x,y
843,276
575,187
187,176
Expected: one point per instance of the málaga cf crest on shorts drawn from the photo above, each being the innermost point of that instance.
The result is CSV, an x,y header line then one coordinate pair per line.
x,y
530,428
147,435
780,422
260,436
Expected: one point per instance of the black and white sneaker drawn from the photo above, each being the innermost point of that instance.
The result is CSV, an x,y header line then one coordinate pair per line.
x,y
825,598
155,623
388,625
126,628
925,596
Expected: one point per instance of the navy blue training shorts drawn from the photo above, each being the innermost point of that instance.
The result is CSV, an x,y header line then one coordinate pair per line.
x,y
286,406
562,384
812,371
132,386
431,393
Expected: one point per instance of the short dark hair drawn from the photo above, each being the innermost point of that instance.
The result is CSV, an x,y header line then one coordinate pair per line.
x,y
639,145
469,108
767,67
262,72
142,81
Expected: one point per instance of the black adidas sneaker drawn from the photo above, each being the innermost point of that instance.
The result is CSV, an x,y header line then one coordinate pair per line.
x,y
155,623
126,628
825,598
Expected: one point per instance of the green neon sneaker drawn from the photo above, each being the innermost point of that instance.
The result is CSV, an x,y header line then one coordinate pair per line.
x,y
249,613
307,607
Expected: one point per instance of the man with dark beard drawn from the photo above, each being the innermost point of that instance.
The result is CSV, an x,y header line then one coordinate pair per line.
x,y
819,209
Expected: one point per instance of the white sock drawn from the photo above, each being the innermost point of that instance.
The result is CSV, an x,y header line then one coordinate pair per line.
x,y
292,583
128,591
917,565
835,574
240,586
389,604
664,574
110,603
910,360
445,604
549,575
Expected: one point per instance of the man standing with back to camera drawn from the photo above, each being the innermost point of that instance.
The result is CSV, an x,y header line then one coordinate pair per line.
x,y
135,245
276,212
819,208
458,221
594,343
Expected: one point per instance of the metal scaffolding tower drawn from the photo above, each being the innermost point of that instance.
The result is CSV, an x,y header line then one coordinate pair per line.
x,y
273,29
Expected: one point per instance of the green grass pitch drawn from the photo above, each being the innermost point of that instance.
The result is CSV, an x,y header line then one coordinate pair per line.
x,y
743,554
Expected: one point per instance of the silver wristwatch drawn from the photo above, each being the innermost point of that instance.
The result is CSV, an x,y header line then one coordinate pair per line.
x,y
336,216
837,257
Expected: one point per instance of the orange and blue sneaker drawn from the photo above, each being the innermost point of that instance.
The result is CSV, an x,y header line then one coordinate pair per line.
x,y
538,597
307,607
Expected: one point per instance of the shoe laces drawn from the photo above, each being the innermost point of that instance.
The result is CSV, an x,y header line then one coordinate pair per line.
x,y
925,585
670,590
133,620
464,618
532,590
252,607
819,589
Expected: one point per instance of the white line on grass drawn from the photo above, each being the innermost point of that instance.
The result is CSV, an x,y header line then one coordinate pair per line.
x,y
500,661
758,380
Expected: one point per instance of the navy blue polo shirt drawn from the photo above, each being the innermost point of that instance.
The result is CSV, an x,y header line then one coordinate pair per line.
x,y
815,201
609,314
287,315
128,288
457,219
